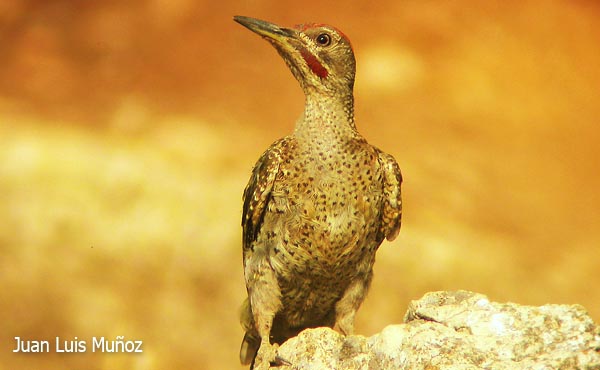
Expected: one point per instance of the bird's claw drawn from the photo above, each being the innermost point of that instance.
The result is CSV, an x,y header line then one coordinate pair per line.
x,y
280,361
267,356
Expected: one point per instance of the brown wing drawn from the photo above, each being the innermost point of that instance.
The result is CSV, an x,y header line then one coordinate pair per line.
x,y
257,196
258,192
392,208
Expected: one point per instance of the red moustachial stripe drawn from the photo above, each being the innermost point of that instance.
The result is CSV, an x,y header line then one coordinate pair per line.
x,y
313,63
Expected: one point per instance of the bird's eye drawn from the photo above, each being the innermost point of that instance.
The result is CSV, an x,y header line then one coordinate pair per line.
x,y
324,39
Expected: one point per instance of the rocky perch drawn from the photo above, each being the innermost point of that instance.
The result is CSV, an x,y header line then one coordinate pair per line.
x,y
458,330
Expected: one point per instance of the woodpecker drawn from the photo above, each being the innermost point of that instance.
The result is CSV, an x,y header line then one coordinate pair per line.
x,y
318,204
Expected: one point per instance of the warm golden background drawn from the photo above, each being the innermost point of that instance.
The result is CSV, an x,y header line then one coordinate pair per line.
x,y
128,130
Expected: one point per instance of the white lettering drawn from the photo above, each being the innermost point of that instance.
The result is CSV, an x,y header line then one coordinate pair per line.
x,y
31,345
118,345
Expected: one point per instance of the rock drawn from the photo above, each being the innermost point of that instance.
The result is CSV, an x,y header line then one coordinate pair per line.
x,y
458,330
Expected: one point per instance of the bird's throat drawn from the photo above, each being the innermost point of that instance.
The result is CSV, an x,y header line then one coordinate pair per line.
x,y
327,118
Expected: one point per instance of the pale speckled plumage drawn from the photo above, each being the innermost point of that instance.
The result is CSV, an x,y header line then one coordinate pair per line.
x,y
318,205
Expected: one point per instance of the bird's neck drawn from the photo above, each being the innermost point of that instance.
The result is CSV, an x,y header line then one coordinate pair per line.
x,y
327,118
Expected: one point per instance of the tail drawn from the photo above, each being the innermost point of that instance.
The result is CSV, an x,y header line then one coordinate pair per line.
x,y
251,340
249,348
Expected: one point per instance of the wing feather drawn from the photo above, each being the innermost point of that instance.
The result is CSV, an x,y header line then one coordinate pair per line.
x,y
392,208
258,192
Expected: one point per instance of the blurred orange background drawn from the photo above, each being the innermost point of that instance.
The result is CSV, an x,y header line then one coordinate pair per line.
x,y
128,131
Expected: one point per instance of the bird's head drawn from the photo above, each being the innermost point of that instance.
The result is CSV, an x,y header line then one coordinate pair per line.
x,y
319,56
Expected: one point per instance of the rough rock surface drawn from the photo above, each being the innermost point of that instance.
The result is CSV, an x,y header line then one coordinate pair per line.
x,y
458,330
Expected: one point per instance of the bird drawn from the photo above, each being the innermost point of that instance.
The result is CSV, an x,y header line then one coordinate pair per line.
x,y
318,204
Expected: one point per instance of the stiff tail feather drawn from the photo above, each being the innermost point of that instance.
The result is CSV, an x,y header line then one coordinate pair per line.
x,y
251,341
248,349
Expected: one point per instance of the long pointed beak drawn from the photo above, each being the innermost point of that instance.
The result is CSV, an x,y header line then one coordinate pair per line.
x,y
286,41
265,29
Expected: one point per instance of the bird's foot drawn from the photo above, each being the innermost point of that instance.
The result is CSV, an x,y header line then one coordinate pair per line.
x,y
267,356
